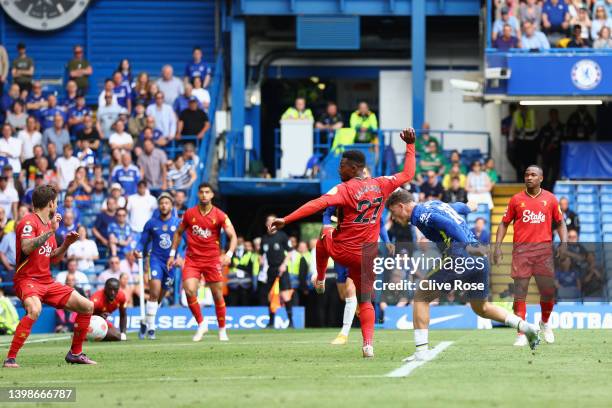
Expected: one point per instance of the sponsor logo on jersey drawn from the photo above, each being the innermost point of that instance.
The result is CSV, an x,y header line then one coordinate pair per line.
x,y
531,217
201,232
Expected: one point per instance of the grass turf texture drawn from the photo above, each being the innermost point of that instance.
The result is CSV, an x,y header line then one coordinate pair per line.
x,y
301,369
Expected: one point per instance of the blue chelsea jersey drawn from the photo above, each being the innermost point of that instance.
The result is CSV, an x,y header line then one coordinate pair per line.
x,y
158,234
443,223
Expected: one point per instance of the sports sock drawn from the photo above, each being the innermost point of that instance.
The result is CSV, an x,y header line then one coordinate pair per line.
x,y
421,339
366,318
80,331
547,308
289,310
520,308
220,312
151,311
21,335
194,306
272,317
322,259
516,322
349,314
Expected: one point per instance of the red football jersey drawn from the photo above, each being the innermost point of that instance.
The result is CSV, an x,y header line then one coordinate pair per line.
x,y
36,265
533,216
101,305
203,232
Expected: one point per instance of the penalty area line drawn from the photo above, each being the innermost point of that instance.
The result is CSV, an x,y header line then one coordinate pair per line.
x,y
409,367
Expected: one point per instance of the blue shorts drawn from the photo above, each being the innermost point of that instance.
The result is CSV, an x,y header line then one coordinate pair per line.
x,y
159,271
341,272
475,275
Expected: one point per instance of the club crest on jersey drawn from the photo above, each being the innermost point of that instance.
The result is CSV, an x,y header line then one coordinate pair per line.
x,y
544,202
522,205
533,218
424,218
201,232
165,228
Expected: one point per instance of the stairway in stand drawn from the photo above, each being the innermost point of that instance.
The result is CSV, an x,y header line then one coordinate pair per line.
x,y
500,274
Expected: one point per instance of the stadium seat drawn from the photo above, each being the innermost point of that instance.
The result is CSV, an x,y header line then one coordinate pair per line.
x,y
607,228
606,198
563,189
586,199
606,189
606,208
607,237
589,237
589,227
588,208
586,188
589,217
604,218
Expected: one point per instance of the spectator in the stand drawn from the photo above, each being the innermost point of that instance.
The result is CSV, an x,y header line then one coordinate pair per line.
x,y
80,188
455,158
48,114
365,123
533,39
479,186
84,251
156,135
480,231
64,318
125,69
165,118
35,100
330,121
169,85
88,134
584,21
570,217
8,251
455,193
192,121
506,19
120,235
491,171
70,99
592,280
29,167
103,220
137,122
182,102
51,153
22,69
140,89
113,270
8,99
140,207
73,268
67,225
58,135
11,148
182,175
525,137
13,179
49,175
129,267
580,125
432,160
121,92
4,68
455,171
30,137
432,188
506,40
69,204
577,40
201,93
603,41
567,280
575,250
109,87
555,20
17,117
120,139
107,116
197,68
126,174
79,69
66,167
116,192
424,138
98,195
551,136
298,111
77,115
601,19
152,163
9,199
531,11
180,202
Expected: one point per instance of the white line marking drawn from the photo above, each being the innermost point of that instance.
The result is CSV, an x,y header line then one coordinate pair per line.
x,y
407,368
43,340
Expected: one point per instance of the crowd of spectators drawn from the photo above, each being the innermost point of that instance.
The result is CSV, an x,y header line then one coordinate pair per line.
x,y
542,24
109,161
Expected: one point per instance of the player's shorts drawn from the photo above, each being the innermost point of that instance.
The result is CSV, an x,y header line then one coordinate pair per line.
x,y
209,271
525,266
474,276
51,293
341,272
284,282
159,271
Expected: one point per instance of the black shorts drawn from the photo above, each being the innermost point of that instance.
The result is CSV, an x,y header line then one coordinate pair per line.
x,y
285,279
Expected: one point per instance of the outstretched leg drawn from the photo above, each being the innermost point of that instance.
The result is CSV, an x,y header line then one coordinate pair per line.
x,y
33,307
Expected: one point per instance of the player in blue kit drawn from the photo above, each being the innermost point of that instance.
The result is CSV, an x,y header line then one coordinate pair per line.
x,y
157,234
444,225
345,285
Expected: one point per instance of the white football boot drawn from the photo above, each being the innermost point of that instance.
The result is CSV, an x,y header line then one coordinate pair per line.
x,y
200,332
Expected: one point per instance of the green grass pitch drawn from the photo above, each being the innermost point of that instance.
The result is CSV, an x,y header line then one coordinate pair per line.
x,y
299,368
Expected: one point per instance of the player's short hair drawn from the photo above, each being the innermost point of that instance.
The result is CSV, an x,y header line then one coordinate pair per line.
x,y
355,156
111,283
535,166
399,196
205,184
43,195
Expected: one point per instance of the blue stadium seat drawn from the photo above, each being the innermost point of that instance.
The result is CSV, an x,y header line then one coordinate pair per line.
x,y
586,188
606,198
588,208
606,188
607,228
563,189
607,237
589,227
587,199
589,237
605,218
589,217
606,208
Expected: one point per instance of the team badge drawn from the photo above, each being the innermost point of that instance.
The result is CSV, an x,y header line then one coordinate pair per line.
x,y
544,202
522,205
173,228
214,221
165,228
586,74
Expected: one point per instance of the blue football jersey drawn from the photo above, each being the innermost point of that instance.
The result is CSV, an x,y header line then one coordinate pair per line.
x,y
443,223
159,234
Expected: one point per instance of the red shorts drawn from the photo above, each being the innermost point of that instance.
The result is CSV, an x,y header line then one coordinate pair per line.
x,y
210,271
50,293
525,266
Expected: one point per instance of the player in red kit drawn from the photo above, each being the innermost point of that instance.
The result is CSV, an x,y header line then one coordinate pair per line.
x,y
203,224
36,248
533,212
360,201
106,301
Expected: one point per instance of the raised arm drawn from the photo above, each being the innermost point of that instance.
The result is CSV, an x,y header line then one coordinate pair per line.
x,y
332,198
390,183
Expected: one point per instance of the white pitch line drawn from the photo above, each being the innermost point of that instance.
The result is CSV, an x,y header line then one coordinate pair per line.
x,y
43,340
409,367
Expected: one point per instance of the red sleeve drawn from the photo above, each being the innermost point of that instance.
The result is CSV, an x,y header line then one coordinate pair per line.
x,y
510,213
184,223
334,197
388,184
557,214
